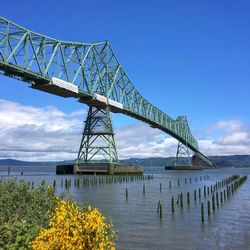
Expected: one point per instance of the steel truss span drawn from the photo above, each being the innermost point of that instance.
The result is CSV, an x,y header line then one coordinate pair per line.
x,y
88,71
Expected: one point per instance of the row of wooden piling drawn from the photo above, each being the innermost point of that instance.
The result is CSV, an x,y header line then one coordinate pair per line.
x,y
67,183
115,179
218,200
180,198
78,182
32,184
205,177
218,197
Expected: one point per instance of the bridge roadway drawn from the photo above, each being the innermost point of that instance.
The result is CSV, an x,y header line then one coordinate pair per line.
x,y
87,71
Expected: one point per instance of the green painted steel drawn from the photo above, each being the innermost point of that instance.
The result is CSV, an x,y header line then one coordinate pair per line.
x,y
92,67
182,154
98,137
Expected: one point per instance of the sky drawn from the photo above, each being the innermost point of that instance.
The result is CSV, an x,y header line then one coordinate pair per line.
x,y
186,57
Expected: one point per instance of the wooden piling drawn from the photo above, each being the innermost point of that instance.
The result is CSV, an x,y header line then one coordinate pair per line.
x,y
208,208
181,200
160,211
158,206
202,212
172,203
217,199
213,202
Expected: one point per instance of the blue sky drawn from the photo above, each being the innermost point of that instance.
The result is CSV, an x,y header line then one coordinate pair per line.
x,y
186,57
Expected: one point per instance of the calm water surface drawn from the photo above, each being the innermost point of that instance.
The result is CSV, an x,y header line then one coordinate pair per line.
x,y
137,221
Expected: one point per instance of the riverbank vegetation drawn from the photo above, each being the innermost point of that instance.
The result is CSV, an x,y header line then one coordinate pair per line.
x,y
38,219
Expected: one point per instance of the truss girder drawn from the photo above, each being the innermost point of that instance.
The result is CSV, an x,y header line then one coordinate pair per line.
x,y
93,67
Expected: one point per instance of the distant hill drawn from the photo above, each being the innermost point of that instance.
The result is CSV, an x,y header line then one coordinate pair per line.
x,y
238,161
241,161
22,163
220,161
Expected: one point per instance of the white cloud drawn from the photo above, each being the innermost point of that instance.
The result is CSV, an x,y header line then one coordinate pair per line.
x,y
30,133
50,118
140,140
44,134
213,148
234,138
228,125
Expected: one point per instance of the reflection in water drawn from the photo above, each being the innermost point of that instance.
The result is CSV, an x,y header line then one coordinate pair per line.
x,y
136,218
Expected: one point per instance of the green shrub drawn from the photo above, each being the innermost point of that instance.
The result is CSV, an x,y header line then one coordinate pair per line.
x,y
15,236
23,212
35,216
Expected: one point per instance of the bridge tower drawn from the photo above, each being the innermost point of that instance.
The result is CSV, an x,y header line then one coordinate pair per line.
x,y
182,155
98,141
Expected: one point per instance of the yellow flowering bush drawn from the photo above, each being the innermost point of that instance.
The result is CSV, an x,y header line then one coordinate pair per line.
x,y
74,227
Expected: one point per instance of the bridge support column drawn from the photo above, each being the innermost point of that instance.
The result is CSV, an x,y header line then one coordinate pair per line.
x,y
182,155
98,141
196,160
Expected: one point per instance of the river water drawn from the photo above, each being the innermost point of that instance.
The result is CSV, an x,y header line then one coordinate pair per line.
x,y
137,220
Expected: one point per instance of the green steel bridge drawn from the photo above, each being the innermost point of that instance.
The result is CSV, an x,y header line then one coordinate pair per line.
x,y
91,73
